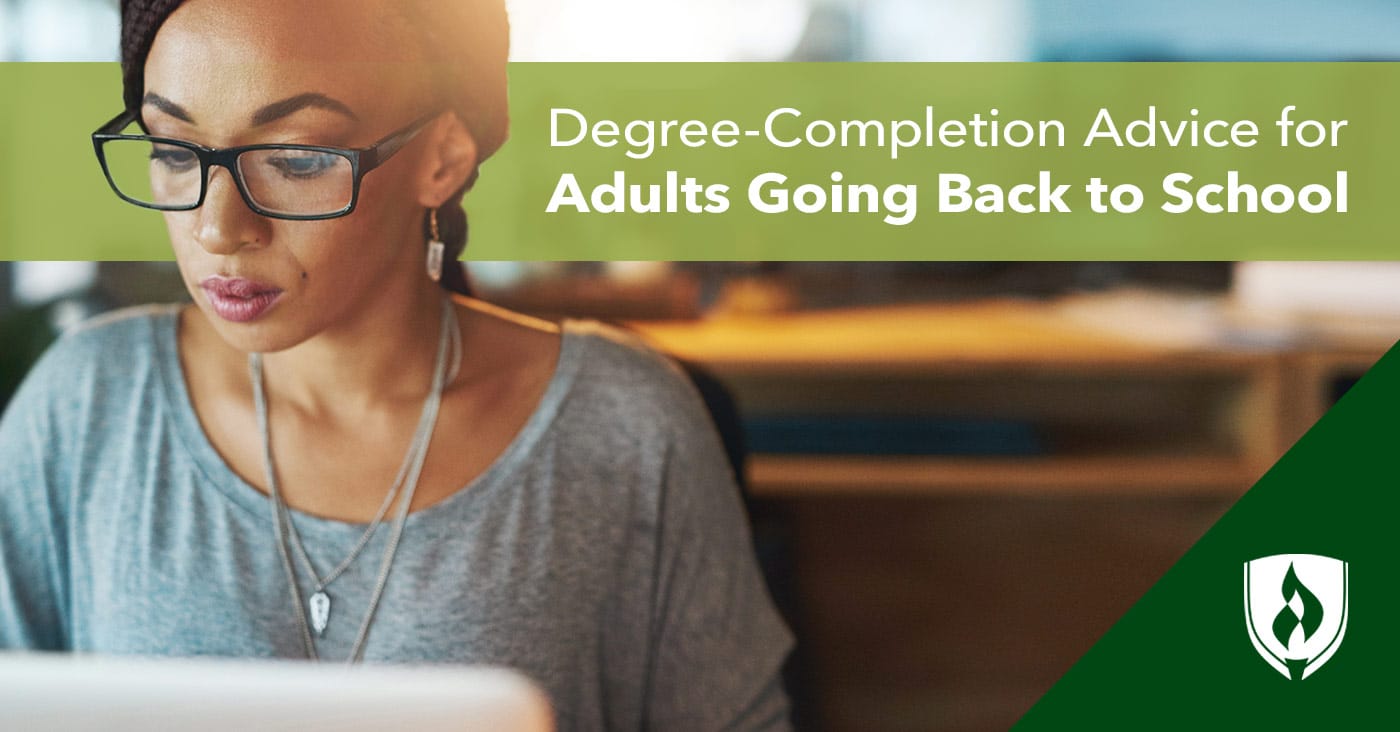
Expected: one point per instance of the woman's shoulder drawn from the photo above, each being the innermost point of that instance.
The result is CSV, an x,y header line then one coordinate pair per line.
x,y
620,371
589,353
599,374
619,355
112,340
87,387
97,355
125,326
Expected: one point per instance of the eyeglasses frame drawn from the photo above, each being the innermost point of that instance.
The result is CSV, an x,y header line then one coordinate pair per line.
x,y
362,161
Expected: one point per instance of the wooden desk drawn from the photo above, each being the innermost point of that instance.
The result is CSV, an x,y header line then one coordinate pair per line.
x,y
951,592
1121,411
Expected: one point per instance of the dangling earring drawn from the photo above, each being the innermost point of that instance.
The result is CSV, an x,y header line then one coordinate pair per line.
x,y
435,247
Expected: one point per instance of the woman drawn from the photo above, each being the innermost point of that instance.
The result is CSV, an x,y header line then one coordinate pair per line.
x,y
325,456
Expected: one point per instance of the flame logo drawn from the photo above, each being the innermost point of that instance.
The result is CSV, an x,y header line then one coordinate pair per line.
x,y
1287,621
1296,628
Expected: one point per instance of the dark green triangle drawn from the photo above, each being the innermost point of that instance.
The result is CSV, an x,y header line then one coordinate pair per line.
x,y
1182,659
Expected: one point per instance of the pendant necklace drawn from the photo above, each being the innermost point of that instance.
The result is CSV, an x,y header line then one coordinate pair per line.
x,y
315,614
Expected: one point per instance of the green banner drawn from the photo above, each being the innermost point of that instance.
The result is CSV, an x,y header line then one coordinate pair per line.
x,y
1279,617
1181,161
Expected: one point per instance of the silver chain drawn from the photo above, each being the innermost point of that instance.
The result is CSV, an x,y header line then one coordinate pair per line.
x,y
410,470
424,423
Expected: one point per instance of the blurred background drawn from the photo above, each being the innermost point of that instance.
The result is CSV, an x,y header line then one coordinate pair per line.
x,y
960,474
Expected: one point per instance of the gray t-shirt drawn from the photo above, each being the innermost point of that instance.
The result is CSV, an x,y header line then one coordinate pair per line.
x,y
604,554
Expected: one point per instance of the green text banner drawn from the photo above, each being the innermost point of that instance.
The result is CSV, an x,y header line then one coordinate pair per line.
x,y
1172,161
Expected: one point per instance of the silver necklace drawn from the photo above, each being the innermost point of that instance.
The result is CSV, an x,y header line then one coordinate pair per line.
x,y
409,471
320,603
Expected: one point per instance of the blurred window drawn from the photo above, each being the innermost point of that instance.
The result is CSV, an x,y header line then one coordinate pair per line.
x,y
58,30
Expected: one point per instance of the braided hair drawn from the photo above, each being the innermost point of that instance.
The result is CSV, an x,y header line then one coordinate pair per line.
x,y
466,42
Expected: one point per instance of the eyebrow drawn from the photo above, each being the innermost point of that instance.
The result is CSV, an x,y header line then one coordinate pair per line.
x,y
309,100
269,113
167,106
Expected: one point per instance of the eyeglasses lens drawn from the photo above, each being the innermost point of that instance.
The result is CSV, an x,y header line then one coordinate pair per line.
x,y
280,181
154,173
297,182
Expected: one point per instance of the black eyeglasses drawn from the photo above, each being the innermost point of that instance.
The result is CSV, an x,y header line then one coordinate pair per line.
x,y
299,182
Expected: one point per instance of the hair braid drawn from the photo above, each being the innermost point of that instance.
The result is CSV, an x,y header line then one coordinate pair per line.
x,y
452,227
140,20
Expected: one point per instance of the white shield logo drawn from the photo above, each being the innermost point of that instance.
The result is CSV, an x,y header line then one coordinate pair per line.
x,y
1295,608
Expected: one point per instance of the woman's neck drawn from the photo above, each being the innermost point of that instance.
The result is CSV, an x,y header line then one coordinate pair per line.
x,y
378,356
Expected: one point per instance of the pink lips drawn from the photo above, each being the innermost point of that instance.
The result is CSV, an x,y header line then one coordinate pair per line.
x,y
238,300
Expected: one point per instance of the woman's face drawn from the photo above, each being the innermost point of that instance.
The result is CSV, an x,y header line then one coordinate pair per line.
x,y
220,74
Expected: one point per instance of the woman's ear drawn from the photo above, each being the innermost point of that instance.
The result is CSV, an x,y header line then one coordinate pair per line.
x,y
449,161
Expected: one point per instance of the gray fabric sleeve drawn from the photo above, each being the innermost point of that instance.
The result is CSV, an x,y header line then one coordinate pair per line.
x,y
718,643
32,554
